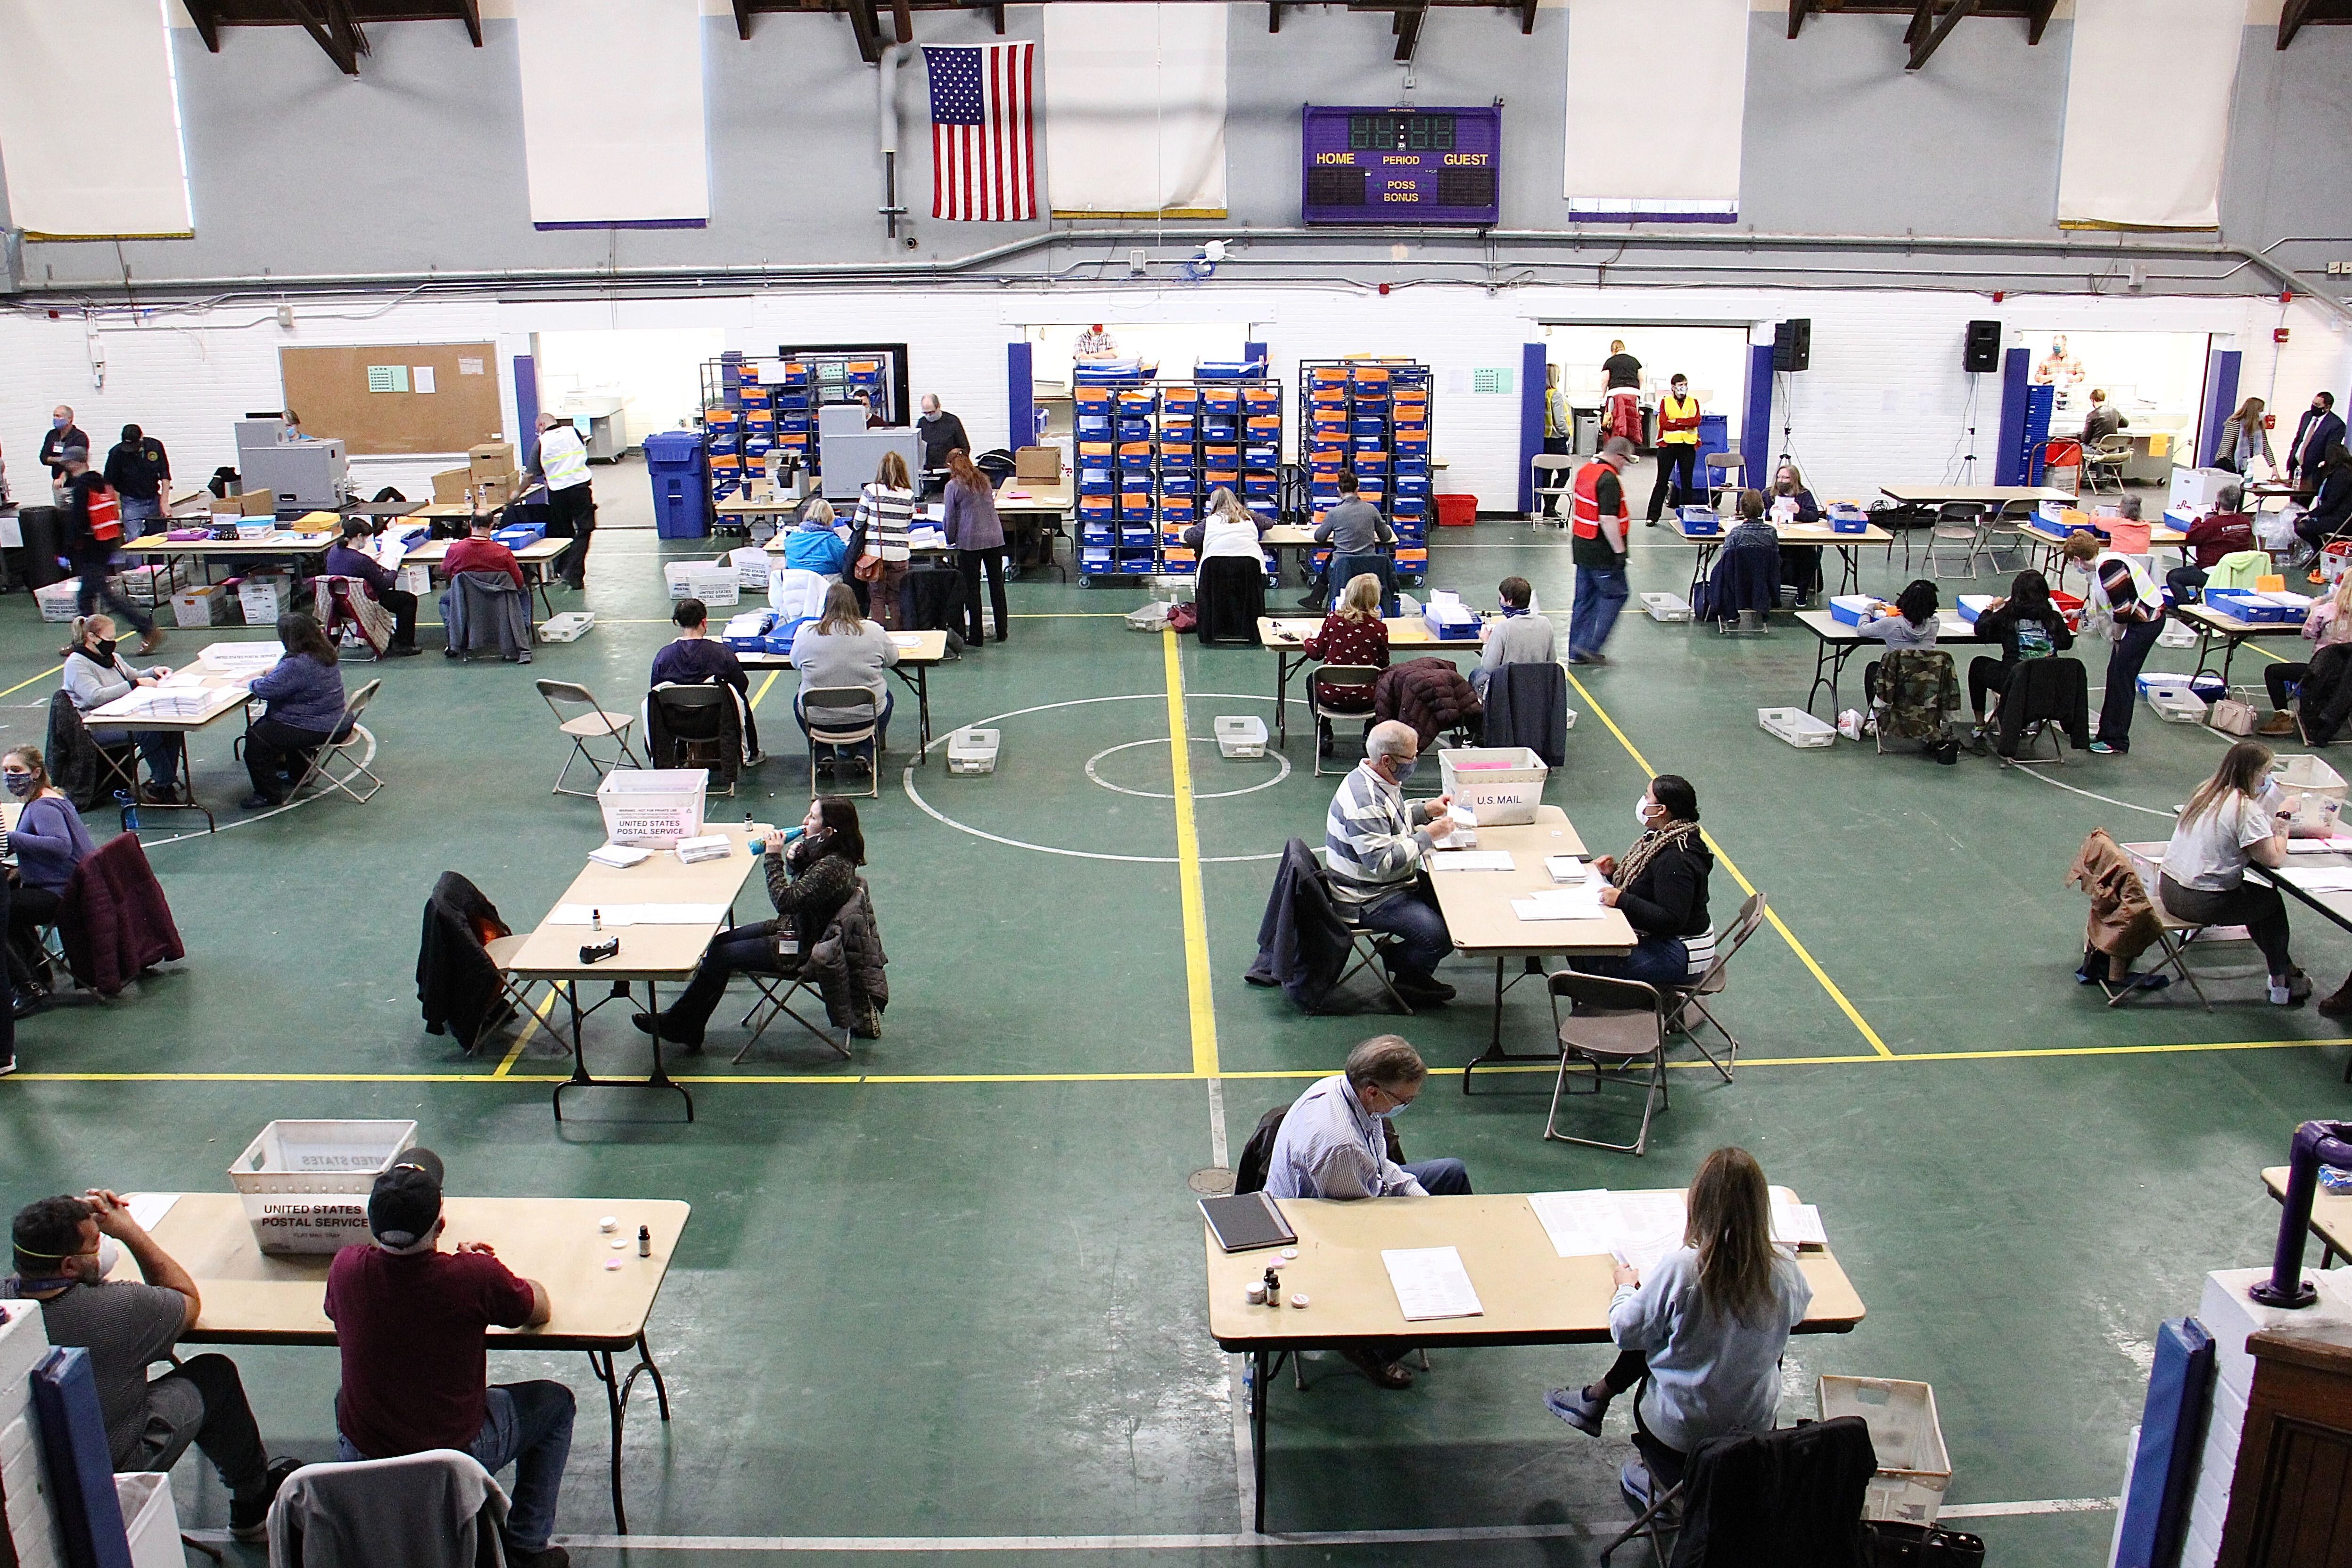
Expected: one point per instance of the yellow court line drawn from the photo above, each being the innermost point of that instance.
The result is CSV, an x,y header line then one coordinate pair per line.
x,y
27,681
763,689
1188,869
538,1016
1852,1014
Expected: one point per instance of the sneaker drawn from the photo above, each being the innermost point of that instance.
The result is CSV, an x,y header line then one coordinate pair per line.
x,y
1633,1480
1571,1406
8,1067
2101,749
250,1521
2279,723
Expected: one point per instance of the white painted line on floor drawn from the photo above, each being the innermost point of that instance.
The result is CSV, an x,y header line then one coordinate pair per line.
x,y
2013,1510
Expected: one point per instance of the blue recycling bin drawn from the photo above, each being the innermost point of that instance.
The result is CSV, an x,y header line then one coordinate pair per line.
x,y
681,492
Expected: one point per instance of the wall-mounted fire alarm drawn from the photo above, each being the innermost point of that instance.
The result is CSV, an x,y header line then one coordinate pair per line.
x,y
2278,334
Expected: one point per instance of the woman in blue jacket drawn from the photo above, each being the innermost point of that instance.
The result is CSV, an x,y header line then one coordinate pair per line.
x,y
47,841
304,691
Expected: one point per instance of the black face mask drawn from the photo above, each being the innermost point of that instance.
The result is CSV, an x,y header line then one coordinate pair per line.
x,y
104,647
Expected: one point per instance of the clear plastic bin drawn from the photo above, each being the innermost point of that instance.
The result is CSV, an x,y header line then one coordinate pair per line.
x,y
1240,737
1796,727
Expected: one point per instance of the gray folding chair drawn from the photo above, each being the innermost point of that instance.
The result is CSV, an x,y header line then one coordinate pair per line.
x,y
2105,462
696,717
583,720
1617,1025
350,751
1359,678
1364,947
776,994
1682,1001
820,708
1550,486
1962,533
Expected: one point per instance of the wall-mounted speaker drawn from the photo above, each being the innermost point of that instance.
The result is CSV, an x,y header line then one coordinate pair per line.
x,y
1793,344
1982,353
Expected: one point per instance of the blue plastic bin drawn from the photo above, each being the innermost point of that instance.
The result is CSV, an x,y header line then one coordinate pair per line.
x,y
681,496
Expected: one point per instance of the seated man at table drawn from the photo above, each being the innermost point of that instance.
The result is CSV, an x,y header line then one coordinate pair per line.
x,y
2227,530
1334,1143
345,559
1519,637
62,1247
480,552
411,1320
694,658
1354,527
1373,844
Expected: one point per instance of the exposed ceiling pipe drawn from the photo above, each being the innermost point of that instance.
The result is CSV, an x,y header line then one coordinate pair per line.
x,y
886,122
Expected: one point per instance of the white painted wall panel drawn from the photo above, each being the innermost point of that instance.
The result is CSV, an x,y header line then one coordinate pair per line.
x,y
611,110
1135,107
89,130
2148,85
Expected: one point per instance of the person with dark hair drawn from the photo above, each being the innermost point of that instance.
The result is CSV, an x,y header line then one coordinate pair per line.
x,y
2235,820
141,471
47,842
1913,625
941,434
977,536
1660,887
1676,448
1751,531
2104,419
1354,527
1708,1327
2028,626
304,696
62,1247
1518,637
811,874
93,529
695,658
410,1320
2319,432
1597,544
840,650
2225,530
346,558
2330,515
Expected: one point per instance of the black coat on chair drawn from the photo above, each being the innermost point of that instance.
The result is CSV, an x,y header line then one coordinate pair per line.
x,y
1230,597
2056,688
1742,580
1302,944
1526,705
931,600
457,986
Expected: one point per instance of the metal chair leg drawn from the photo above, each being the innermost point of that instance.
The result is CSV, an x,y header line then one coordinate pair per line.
x,y
1654,1098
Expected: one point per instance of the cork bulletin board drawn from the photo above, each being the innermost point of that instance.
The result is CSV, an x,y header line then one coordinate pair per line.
x,y
396,399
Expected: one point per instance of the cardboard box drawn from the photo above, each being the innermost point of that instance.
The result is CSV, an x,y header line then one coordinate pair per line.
x,y
490,459
264,597
498,490
206,606
449,485
1043,463
57,600
257,503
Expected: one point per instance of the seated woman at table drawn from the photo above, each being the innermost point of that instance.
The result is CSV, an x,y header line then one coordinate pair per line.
x,y
2026,625
840,650
816,544
695,658
809,879
94,675
304,691
2235,820
1706,1327
2329,623
1913,625
1800,565
1660,887
1352,633
1227,528
1751,531
47,841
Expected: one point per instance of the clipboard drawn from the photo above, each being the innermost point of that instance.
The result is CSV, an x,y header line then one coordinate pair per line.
x,y
1246,1222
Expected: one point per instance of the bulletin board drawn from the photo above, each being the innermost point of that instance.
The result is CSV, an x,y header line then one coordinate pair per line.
x,y
375,397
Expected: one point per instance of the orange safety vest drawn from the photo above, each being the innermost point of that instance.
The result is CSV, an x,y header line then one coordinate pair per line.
x,y
1585,505
1678,421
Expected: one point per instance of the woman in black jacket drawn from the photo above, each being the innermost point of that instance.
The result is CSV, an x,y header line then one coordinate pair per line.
x,y
1660,887
2027,625
809,879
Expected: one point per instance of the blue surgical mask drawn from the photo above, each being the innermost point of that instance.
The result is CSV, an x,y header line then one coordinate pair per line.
x,y
1404,769
19,784
1393,1111
59,422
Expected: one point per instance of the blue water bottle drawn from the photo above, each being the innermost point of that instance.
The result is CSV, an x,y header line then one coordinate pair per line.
x,y
129,808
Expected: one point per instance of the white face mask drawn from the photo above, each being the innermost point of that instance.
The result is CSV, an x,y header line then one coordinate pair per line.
x,y
1642,813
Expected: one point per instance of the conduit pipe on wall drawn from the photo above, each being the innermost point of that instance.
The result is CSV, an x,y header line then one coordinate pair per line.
x,y
886,122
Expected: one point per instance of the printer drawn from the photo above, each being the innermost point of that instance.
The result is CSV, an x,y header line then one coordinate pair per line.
x,y
305,475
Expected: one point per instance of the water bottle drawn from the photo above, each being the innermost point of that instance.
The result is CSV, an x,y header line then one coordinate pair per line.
x,y
129,808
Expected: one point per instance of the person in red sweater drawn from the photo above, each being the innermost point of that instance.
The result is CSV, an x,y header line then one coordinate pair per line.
x,y
480,552
1352,633
2225,530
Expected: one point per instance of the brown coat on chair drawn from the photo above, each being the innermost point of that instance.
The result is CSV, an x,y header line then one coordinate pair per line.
x,y
2122,919
113,919
1429,694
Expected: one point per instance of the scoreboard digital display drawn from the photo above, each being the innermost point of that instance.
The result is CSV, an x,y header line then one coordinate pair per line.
x,y
1402,165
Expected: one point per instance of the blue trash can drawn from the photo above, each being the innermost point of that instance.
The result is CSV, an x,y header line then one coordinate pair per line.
x,y
681,492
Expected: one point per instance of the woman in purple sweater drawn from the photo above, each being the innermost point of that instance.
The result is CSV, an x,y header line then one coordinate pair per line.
x,y
304,691
48,842
977,536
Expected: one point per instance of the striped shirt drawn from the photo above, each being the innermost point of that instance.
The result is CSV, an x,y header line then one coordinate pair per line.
x,y
1372,841
886,513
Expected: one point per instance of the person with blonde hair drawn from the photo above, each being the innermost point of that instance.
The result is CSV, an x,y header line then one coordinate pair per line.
x,y
878,529
841,649
815,543
1227,528
2329,623
2236,819
1352,633
2244,437
1706,1327
97,674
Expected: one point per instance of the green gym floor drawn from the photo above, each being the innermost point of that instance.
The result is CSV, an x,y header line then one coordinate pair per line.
x,y
949,1296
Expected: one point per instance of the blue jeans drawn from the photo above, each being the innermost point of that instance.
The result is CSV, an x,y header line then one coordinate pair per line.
x,y
528,1425
1601,593
1412,917
138,512
732,951
1655,961
1440,1178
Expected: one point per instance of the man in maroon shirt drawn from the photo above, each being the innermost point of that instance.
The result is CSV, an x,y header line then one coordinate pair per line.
x,y
2225,530
410,1319
480,552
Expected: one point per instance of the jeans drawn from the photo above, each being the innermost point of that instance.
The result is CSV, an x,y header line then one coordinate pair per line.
x,y
2123,683
734,951
138,512
2260,910
866,749
1440,1178
971,562
1601,593
1655,961
1410,916
160,748
1677,469
2281,679
92,568
272,748
224,1433
528,1425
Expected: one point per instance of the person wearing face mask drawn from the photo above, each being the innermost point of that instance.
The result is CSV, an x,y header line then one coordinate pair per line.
x,y
1374,844
1800,565
93,528
48,842
2320,428
1332,1145
95,674
810,876
63,1248
1660,887
62,433
1677,448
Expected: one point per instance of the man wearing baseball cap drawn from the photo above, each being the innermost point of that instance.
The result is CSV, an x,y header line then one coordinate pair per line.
x,y
410,1320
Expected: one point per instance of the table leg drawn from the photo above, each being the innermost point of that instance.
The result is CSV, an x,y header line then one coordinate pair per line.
x,y
1851,578
1261,1385
1699,563
616,1410
2204,651
923,709
1281,704
186,800
1829,663
661,1078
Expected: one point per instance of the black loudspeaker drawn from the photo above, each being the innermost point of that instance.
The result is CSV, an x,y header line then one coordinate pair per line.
x,y
1793,344
1983,350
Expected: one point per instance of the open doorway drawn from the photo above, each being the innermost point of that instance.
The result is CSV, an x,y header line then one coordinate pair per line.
x,y
621,385
1714,357
2155,381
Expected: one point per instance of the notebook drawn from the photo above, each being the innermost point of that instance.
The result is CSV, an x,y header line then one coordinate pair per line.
x,y
1246,1221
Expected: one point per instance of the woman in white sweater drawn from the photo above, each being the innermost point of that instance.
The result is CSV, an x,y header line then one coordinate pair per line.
x,y
95,674
840,651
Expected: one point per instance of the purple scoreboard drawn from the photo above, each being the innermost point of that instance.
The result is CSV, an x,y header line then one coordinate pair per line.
x,y
1402,165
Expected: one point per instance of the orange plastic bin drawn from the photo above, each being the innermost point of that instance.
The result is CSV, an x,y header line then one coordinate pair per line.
x,y
1457,511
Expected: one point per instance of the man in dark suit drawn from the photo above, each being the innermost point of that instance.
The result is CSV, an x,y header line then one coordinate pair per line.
x,y
2320,428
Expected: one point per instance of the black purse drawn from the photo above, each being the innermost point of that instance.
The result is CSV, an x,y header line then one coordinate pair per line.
x,y
1893,1546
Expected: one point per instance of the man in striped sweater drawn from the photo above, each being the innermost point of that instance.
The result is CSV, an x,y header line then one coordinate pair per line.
x,y
1373,842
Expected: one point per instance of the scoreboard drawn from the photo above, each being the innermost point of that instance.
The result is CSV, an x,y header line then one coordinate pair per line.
x,y
1402,165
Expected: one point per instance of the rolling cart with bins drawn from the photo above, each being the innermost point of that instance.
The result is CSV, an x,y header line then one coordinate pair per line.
x,y
1371,416
1149,455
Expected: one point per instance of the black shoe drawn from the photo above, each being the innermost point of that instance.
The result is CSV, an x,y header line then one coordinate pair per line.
x,y
250,1521
258,803
402,651
1382,1374
667,1031
29,1001
552,1557
1421,991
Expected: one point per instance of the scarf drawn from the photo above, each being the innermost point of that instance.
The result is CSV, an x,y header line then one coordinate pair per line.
x,y
1653,844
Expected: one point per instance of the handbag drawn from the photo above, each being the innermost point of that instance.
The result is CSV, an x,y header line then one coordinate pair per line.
x,y
2232,716
1893,1546
869,568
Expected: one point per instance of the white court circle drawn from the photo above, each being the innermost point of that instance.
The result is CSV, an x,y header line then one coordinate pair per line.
x,y
907,781
1171,794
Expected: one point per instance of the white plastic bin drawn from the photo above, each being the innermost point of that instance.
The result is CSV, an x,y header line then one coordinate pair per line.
x,y
653,808
715,583
1913,1470
1796,727
150,1519
57,600
305,1184
973,750
2308,776
1502,785
568,627
1240,736
2176,704
1666,607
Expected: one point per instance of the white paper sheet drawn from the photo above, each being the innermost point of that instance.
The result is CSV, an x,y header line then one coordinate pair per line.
x,y
420,378
1580,902
621,915
241,658
1470,859
1795,1224
1431,1282
150,1208
1581,1224
619,856
1642,1228
1567,869
2319,879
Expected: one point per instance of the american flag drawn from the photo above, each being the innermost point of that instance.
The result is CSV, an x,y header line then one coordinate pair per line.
x,y
982,151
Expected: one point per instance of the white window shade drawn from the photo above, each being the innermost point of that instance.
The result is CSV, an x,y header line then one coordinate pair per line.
x,y
2148,84
1634,155
612,111
90,131
1135,109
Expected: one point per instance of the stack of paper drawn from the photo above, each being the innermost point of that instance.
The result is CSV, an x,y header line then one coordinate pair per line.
x,y
2320,879
615,915
1566,868
1470,859
1581,901
1430,1282
619,856
1642,1228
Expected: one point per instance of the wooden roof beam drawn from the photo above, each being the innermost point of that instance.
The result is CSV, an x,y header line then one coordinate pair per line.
x,y
1926,46
902,17
1797,9
2291,17
207,21
337,47
473,20
2037,19
1527,18
865,26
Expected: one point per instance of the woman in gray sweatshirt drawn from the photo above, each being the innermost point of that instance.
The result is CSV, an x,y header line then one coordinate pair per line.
x,y
839,651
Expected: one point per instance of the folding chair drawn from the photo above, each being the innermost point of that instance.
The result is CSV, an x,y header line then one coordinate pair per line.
x,y
1364,945
583,720
2005,530
1725,470
1616,1024
1549,487
776,994
2173,936
840,733
353,747
2105,461
696,720
1359,678
1682,1001
1960,530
